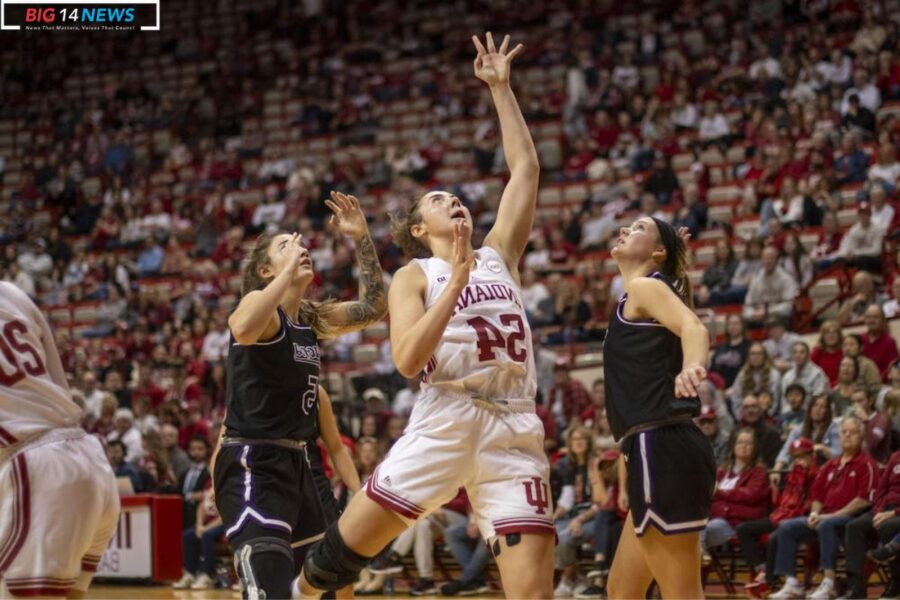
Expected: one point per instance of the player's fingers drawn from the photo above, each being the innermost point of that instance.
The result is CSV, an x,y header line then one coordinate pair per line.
x,y
679,387
490,43
515,52
694,378
354,202
341,200
334,207
478,45
504,45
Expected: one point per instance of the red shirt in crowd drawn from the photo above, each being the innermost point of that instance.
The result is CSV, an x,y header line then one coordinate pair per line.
x,y
837,484
829,361
794,499
882,350
746,500
887,494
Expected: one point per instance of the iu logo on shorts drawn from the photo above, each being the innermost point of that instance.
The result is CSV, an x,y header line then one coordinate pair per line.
x,y
537,494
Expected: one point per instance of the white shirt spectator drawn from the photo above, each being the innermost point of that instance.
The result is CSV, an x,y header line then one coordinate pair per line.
x,y
888,173
775,291
597,231
537,259
626,76
215,345
35,264
765,68
869,96
859,240
271,213
883,217
713,127
533,295
684,116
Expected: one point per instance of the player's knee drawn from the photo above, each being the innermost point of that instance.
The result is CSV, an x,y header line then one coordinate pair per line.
x,y
265,566
330,564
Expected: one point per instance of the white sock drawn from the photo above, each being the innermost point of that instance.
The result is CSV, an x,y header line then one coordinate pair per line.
x,y
792,581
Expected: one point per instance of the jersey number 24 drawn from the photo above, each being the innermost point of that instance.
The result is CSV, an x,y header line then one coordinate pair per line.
x,y
489,337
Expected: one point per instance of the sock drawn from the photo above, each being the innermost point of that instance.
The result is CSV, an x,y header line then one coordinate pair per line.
x,y
792,581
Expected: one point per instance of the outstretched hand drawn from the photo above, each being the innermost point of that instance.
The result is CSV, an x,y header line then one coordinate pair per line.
x,y
491,64
348,216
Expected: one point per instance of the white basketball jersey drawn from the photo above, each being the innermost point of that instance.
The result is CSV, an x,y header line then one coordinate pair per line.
x,y
34,395
486,347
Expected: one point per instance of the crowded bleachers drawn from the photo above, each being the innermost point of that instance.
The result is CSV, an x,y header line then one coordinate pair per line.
x,y
135,172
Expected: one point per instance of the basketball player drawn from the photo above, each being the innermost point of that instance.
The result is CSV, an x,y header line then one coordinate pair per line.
x,y
457,314
653,359
264,488
342,462
59,504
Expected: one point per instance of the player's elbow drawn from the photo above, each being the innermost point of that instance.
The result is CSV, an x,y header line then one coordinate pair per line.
x,y
407,366
242,334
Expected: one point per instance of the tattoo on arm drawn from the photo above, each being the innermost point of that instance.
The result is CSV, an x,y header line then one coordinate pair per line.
x,y
372,303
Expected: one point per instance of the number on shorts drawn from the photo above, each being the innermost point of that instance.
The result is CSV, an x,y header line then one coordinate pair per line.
x,y
12,349
489,337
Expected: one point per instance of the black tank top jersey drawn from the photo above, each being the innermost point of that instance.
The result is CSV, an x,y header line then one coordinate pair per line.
x,y
640,362
272,390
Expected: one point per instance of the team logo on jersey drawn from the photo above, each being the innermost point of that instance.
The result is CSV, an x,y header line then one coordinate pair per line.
x,y
493,266
442,279
537,495
306,354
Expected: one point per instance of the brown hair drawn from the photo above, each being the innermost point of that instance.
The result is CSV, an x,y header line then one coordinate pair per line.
x,y
748,385
674,267
754,456
251,280
830,325
401,229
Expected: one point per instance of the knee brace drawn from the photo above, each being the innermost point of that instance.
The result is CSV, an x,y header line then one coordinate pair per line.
x,y
330,565
265,567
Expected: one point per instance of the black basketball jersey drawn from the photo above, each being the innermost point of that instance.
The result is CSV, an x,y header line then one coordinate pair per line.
x,y
640,362
273,386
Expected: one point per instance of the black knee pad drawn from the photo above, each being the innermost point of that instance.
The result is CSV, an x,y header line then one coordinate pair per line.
x,y
330,565
265,566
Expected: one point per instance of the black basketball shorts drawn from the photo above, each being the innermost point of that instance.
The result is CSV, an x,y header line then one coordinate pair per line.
x,y
671,478
267,490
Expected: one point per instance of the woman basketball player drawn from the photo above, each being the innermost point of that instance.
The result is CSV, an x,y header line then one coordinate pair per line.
x,y
654,358
457,314
264,488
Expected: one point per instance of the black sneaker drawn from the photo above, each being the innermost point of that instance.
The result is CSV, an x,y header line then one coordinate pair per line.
x,y
452,588
891,591
592,591
473,588
884,554
386,564
424,587
600,569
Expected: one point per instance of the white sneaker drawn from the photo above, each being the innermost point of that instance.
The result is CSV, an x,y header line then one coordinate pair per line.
x,y
788,591
825,591
564,589
185,582
203,582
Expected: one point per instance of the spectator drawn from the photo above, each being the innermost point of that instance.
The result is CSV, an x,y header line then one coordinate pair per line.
x,y
717,276
742,491
780,343
567,398
851,164
861,245
772,291
154,465
193,481
840,491
882,212
877,440
93,395
864,294
748,267
795,414
805,372
662,181
891,307
829,240
869,373
758,375
216,341
848,379
150,259
767,439
471,553
117,452
35,260
859,118
818,426
199,543
608,521
795,261
866,91
827,353
125,432
793,501
886,170
575,511
692,213
708,422
178,458
882,522
730,356
878,344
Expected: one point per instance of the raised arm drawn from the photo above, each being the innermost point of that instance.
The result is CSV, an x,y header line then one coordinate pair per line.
x,y
339,453
416,332
515,216
371,306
